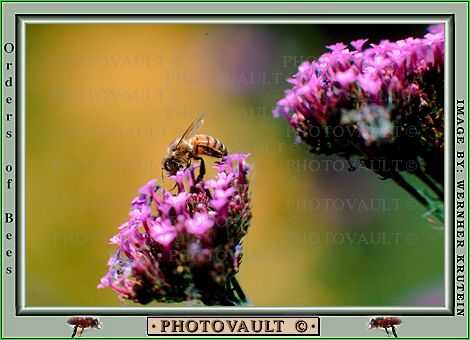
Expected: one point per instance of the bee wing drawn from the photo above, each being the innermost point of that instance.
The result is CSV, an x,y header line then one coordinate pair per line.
x,y
195,125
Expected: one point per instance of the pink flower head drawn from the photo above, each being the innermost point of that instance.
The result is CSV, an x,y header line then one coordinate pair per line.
x,y
162,232
369,84
199,224
171,247
336,47
346,78
436,29
400,83
358,44
315,94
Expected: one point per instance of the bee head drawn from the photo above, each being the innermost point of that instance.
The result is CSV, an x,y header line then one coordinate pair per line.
x,y
172,165
96,323
373,323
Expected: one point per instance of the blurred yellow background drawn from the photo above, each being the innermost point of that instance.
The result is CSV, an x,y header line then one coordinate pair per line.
x,y
105,100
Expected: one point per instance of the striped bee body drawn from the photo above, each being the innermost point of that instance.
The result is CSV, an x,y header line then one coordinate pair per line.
x,y
207,145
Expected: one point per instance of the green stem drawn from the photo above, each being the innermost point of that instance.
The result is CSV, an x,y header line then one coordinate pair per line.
x,y
410,189
430,183
432,208
238,289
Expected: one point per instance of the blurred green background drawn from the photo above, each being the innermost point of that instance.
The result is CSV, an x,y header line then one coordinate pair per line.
x,y
105,100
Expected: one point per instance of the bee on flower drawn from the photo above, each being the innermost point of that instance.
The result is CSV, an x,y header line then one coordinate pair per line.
x,y
185,246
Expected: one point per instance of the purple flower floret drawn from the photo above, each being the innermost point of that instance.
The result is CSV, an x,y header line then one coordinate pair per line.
x,y
186,245
378,102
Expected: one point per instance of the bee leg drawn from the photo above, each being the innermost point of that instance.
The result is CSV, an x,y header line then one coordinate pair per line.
x,y
202,169
394,331
386,331
80,331
174,187
74,331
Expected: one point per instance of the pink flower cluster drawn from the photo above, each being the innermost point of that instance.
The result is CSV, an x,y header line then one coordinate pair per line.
x,y
383,103
187,245
349,78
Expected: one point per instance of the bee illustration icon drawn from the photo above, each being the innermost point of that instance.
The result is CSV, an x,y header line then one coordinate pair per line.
x,y
80,323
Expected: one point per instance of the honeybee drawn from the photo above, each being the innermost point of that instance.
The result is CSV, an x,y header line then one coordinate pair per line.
x,y
385,323
79,323
192,146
